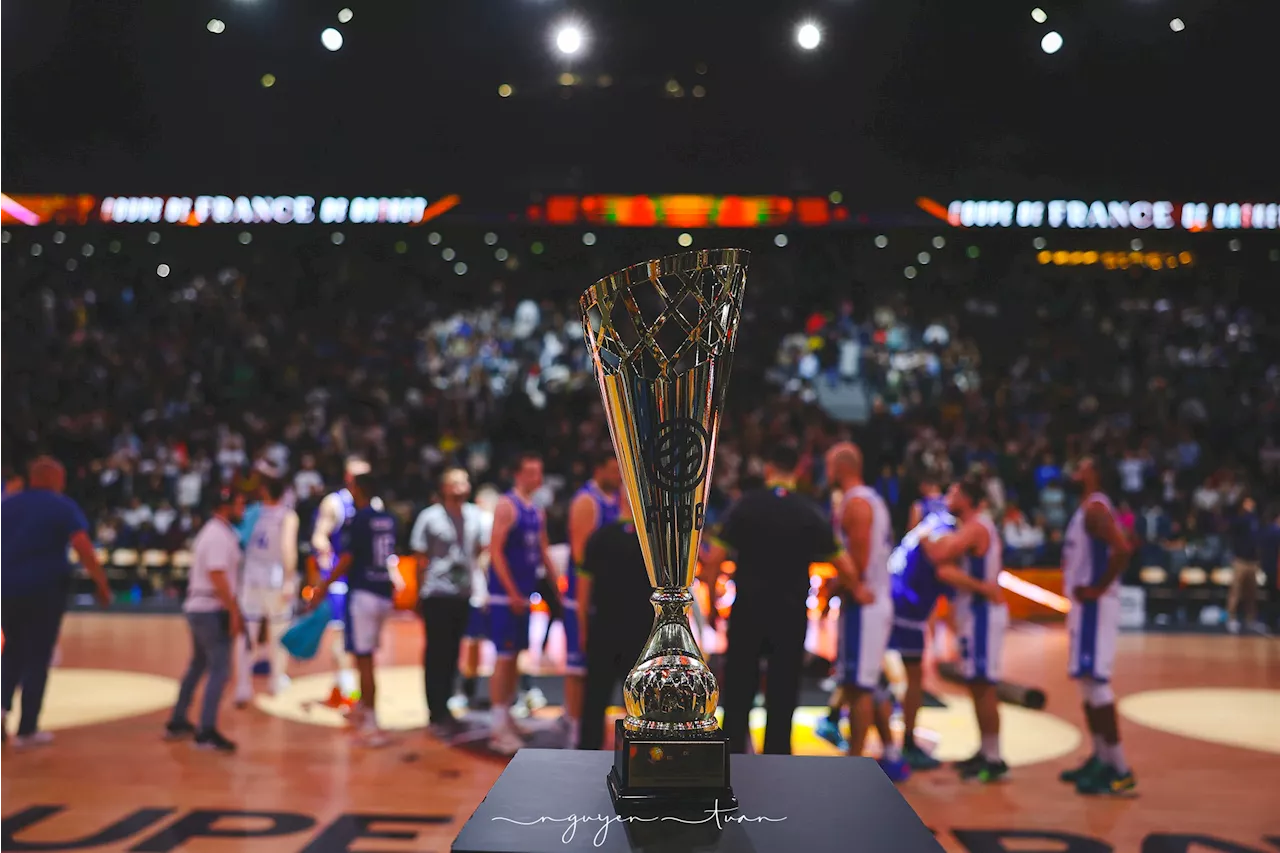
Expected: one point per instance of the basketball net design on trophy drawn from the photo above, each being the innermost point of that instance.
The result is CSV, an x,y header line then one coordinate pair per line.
x,y
661,336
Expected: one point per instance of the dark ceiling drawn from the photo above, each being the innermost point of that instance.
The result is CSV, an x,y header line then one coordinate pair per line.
x,y
902,98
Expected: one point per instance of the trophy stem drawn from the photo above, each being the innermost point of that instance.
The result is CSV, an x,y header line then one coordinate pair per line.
x,y
671,690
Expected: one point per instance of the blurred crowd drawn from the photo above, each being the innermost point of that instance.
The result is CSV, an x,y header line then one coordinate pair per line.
x,y
156,390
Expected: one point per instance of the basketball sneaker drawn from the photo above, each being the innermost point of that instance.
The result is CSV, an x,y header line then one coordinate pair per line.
x,y
919,759
1106,780
33,739
505,741
1089,768
969,768
830,732
991,771
897,770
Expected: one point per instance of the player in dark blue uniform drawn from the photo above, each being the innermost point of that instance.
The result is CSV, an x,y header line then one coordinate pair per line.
x,y
335,510
594,506
916,590
366,555
517,547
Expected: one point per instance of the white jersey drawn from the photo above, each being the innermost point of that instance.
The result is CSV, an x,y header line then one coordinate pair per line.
x,y
875,574
1084,558
264,556
985,568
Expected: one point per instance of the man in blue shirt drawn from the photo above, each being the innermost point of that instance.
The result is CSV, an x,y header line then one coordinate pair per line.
x,y
366,559
39,525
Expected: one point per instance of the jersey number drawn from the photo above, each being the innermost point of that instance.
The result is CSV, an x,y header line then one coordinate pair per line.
x,y
384,545
262,542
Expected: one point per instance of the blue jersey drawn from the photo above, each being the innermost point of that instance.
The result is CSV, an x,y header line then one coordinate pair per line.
x,y
369,538
915,583
606,513
931,506
335,536
523,550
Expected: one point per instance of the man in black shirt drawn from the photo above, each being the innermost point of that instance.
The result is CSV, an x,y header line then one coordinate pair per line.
x,y
614,590
776,535
1246,549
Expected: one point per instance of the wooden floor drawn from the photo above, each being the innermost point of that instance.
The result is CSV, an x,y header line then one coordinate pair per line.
x,y
1207,754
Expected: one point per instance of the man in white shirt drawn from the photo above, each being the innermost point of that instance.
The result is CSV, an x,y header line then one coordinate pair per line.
x,y
214,617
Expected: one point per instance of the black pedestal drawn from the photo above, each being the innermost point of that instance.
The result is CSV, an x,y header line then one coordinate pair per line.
x,y
652,775
548,801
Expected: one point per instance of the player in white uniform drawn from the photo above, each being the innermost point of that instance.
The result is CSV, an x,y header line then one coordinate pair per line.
x,y
1095,552
867,615
268,588
981,615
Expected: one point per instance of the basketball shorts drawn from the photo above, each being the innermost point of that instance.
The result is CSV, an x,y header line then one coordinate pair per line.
x,y
365,613
864,638
575,661
980,631
477,624
263,602
1093,627
907,638
509,631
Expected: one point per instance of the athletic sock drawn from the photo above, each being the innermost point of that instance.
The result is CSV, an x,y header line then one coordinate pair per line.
x,y
469,688
501,718
991,747
833,715
908,739
1099,748
892,752
1115,757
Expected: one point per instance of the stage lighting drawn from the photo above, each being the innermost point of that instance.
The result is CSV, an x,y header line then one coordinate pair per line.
x,y
345,16
808,36
72,263
685,239
780,241
245,238
448,254
36,250
337,238
153,237
588,239
909,272
501,254
1176,25
1038,15
505,90
268,80
460,268
1039,242
163,270
434,238
881,241
331,39
569,39
60,237
215,26
87,250
490,238
939,242
1135,244
1051,43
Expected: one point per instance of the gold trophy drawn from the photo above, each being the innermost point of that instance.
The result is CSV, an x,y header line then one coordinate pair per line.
x,y
661,336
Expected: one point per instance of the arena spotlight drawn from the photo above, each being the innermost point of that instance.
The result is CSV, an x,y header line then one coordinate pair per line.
x,y
448,254
215,26
881,241
490,239
1052,42
1039,243
245,238
331,39
1177,25
1038,15
434,238
780,241
337,238
569,38
345,16
153,237
909,272
460,268
36,250
685,239
588,239
939,242
60,237
163,270
808,36
72,263
923,258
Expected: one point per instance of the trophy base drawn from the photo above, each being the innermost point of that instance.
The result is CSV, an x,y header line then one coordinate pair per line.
x,y
663,775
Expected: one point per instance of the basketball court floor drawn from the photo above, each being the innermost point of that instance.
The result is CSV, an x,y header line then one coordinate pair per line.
x,y
1201,720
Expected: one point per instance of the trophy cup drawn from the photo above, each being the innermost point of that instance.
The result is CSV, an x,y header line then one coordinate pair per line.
x,y
661,336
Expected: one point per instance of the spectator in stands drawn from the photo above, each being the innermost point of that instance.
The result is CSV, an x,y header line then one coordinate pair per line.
x,y
1246,552
1023,540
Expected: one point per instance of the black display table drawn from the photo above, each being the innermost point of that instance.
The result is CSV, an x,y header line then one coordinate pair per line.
x,y
549,801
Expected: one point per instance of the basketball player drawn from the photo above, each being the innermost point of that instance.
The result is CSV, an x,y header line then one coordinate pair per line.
x,y
867,617
336,509
931,501
1094,554
268,589
981,616
367,545
477,630
517,547
594,506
